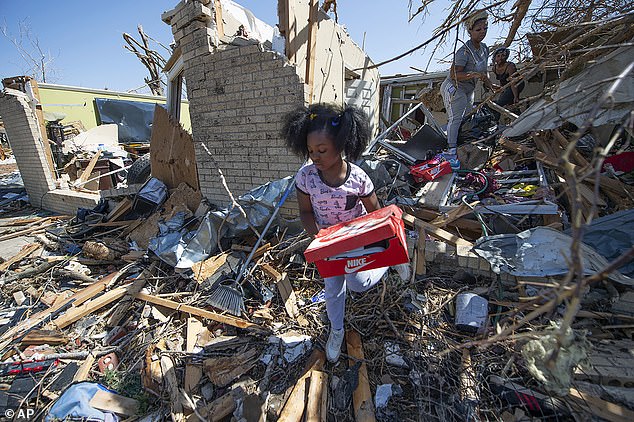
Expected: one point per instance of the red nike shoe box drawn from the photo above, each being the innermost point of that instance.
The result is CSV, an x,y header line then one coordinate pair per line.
x,y
371,241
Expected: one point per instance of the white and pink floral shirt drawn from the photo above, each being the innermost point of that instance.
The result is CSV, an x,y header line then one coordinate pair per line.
x,y
335,204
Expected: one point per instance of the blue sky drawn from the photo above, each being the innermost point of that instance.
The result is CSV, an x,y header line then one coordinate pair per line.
x,y
84,37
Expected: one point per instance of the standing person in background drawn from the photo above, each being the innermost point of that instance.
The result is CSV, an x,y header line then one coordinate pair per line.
x,y
504,70
332,190
469,65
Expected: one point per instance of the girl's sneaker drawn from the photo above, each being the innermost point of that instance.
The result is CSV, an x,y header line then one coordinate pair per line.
x,y
333,345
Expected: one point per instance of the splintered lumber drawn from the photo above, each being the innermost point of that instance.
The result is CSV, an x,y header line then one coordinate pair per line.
x,y
49,337
204,269
294,407
193,373
24,252
220,408
421,265
105,400
362,396
468,387
84,370
224,370
76,313
192,310
76,299
171,383
47,222
436,232
290,300
124,304
316,409
44,266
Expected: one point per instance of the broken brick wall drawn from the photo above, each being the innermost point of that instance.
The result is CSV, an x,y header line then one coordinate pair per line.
x,y
237,95
27,144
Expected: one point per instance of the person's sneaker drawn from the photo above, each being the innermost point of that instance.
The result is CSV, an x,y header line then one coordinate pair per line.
x,y
333,346
404,271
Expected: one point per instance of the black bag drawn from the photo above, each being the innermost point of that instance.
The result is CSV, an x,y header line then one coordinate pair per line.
x,y
478,125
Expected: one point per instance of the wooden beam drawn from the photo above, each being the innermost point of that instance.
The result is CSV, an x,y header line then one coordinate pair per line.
x,y
76,313
294,406
192,310
311,51
220,27
193,373
362,396
316,392
84,370
436,232
24,252
600,408
124,304
171,383
88,170
287,294
421,265
112,402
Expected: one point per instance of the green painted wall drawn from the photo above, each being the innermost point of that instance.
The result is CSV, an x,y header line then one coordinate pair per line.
x,y
78,103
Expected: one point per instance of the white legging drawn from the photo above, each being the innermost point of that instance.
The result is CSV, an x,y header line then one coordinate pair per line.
x,y
458,103
336,291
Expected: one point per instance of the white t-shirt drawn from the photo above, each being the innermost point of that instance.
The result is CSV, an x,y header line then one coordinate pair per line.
x,y
335,204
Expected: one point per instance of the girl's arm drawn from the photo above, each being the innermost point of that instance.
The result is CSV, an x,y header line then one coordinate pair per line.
x,y
371,203
512,69
306,213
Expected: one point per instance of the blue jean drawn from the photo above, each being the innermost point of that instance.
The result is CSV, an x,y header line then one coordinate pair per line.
x,y
336,291
458,103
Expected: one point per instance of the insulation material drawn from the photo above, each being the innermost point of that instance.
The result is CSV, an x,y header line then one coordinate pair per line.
x,y
555,374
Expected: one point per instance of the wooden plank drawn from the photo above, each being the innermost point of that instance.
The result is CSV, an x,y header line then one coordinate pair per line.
x,y
220,28
287,294
105,400
77,299
362,396
76,313
120,210
25,251
225,370
171,383
172,154
124,304
84,370
193,373
294,406
88,170
311,51
318,388
436,232
221,407
225,319
421,265
453,215
204,269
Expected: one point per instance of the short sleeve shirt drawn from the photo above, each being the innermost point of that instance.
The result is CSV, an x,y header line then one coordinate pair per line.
x,y
471,60
335,204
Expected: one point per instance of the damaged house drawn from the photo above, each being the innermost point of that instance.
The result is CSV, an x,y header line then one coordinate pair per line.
x,y
187,298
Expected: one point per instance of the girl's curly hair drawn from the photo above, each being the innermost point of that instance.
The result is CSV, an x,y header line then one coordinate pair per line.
x,y
348,127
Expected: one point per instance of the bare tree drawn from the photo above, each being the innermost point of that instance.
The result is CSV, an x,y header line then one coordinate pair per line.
x,y
150,58
38,58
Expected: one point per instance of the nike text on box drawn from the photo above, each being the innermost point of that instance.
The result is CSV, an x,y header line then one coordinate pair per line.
x,y
374,240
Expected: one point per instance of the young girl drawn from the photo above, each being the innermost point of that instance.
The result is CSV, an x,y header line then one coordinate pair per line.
x,y
332,190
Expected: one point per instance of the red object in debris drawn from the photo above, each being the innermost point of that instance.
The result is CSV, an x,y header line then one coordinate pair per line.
x,y
109,362
375,240
621,162
429,170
